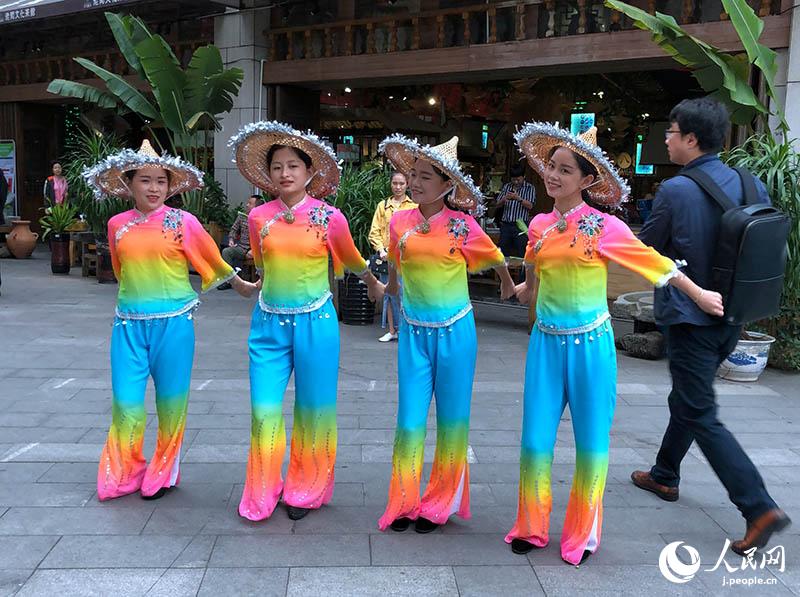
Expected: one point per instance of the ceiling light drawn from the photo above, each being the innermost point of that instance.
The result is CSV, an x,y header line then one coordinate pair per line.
x,y
347,90
432,101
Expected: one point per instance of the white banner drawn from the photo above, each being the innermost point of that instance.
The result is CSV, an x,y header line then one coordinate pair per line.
x,y
8,168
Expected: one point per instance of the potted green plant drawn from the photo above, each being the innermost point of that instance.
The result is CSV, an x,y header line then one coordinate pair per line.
x,y
55,224
777,164
769,155
99,213
359,192
85,149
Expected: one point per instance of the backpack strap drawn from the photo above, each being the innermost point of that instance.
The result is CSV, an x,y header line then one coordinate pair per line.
x,y
749,186
712,189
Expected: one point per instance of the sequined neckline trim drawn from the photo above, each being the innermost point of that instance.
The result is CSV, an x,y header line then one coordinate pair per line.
x,y
572,211
434,217
294,207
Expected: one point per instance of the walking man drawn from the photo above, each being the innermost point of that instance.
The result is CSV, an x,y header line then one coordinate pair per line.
x,y
684,225
516,202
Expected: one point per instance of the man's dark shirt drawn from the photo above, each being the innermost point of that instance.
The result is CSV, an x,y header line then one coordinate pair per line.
x,y
684,225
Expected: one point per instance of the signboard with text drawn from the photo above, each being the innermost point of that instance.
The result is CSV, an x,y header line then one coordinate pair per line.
x,y
8,168
15,11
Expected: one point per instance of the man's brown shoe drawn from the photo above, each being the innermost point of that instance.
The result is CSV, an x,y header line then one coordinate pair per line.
x,y
643,480
761,529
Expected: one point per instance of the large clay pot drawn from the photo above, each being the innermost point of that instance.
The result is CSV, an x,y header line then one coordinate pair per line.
x,y
59,253
21,241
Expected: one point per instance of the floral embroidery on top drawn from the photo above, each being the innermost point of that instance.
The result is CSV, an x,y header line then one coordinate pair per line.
x,y
458,230
319,217
589,228
173,222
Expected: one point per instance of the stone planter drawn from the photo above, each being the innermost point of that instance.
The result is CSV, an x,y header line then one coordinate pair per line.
x,y
748,359
21,241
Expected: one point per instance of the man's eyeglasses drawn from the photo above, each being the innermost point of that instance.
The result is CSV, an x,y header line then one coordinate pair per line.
x,y
668,132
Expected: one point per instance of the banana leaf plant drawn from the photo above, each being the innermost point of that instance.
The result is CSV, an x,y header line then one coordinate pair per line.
x,y
723,75
360,190
185,102
770,157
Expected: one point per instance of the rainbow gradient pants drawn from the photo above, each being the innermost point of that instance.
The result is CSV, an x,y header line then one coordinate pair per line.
x,y
440,362
579,370
163,348
307,343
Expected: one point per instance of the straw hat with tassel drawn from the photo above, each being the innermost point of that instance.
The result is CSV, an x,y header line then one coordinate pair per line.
x,y
107,177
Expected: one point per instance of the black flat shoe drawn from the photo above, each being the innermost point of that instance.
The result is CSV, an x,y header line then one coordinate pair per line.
x,y
400,524
296,513
157,495
521,546
586,555
424,526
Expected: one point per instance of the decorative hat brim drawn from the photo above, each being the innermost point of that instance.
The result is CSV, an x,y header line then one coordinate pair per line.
x,y
253,141
107,177
537,139
403,152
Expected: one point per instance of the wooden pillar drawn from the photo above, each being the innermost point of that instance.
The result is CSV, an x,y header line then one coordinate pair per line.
x,y
519,21
346,10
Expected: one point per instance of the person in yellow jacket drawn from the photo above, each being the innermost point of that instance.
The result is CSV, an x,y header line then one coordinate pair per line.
x,y
379,239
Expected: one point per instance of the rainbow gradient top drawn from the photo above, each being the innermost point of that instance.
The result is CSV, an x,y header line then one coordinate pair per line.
x,y
291,248
572,266
433,257
150,254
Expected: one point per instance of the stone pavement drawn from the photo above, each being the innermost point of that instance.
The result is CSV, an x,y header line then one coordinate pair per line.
x,y
56,538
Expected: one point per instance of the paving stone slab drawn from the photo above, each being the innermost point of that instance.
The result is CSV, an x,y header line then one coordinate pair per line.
x,y
375,581
438,549
91,582
73,521
115,551
478,581
244,582
291,550
12,580
24,552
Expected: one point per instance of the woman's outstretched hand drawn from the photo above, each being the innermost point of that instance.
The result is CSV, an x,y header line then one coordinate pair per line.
x,y
507,288
244,288
523,292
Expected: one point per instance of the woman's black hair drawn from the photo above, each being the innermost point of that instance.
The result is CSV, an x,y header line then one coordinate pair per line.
x,y
399,172
304,157
584,165
129,174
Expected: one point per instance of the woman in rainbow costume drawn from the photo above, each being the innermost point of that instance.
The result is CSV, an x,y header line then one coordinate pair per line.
x,y
432,248
152,246
294,325
571,356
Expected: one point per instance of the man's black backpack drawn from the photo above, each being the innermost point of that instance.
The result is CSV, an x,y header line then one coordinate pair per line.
x,y
750,259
